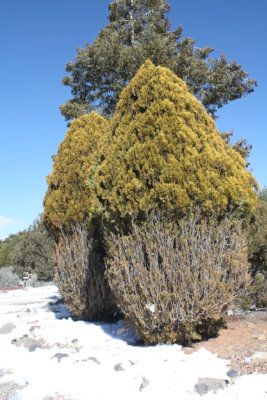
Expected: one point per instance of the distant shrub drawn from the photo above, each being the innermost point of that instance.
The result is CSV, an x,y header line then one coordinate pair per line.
x,y
258,296
174,282
258,235
8,277
257,250
34,253
79,273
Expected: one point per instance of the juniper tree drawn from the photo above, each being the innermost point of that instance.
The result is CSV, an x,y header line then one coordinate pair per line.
x,y
68,215
67,200
167,153
138,30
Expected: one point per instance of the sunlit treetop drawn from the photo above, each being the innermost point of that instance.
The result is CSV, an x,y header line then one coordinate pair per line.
x,y
167,153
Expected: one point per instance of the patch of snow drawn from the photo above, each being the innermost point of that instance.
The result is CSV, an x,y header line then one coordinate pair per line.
x,y
151,307
78,358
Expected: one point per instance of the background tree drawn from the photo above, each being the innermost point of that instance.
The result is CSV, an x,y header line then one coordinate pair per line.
x,y
138,30
7,247
167,153
34,253
257,254
258,235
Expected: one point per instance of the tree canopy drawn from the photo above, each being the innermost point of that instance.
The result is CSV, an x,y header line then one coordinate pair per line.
x,y
68,198
167,153
7,248
138,30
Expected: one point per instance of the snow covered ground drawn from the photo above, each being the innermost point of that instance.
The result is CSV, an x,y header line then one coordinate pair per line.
x,y
49,354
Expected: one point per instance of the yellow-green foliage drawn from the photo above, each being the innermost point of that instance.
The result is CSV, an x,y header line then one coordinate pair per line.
x,y
68,198
167,152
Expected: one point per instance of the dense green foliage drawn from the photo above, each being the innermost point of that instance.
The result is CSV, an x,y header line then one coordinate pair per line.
x,y
257,248
7,248
173,280
167,153
68,198
258,235
34,253
138,30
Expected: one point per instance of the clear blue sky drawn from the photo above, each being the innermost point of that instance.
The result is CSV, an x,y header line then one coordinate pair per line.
x,y
39,37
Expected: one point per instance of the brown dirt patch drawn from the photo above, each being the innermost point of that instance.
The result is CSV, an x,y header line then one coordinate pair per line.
x,y
237,344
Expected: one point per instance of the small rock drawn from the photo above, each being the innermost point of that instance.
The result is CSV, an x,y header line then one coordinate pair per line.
x,y
28,310
119,367
60,356
233,374
144,384
259,336
29,343
7,328
94,359
201,388
205,385
260,356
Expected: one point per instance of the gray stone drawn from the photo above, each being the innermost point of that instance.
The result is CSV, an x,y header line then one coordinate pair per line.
x,y
144,384
205,385
119,367
233,374
60,356
29,343
201,388
7,328
260,356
